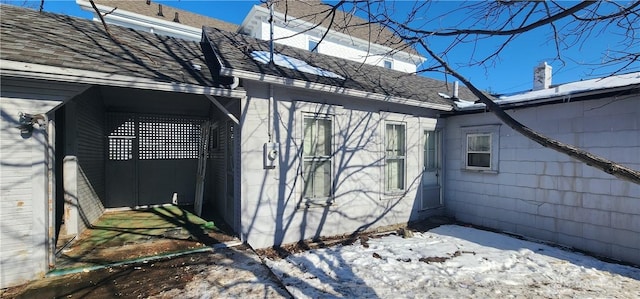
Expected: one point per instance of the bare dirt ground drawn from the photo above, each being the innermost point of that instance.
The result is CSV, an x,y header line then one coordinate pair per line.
x,y
234,272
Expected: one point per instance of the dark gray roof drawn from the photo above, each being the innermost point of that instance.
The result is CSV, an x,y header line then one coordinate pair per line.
x,y
57,40
233,51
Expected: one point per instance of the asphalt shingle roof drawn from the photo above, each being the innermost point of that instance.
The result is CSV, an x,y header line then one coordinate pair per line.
x,y
58,40
233,51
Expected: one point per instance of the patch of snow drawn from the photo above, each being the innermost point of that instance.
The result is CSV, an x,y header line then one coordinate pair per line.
x,y
564,89
452,262
292,63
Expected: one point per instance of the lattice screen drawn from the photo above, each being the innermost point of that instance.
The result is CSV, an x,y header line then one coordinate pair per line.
x,y
120,137
168,137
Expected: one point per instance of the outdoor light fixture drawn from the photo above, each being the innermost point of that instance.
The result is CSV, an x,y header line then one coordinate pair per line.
x,y
27,121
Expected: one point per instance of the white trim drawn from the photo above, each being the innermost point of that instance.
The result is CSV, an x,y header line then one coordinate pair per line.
x,y
331,89
126,18
44,72
257,12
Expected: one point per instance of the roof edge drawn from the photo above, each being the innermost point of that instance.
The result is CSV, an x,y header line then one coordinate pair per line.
x,y
331,89
19,69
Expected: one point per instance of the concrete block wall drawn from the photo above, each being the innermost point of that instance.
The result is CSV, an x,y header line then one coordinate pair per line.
x,y
546,195
272,210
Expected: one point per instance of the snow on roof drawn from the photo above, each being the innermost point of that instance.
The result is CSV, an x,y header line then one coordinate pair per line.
x,y
561,90
292,63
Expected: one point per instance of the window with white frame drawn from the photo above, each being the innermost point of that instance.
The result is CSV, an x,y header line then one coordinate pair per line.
x,y
317,157
479,151
481,148
395,157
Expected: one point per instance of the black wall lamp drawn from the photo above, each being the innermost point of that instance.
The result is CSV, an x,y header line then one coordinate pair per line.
x,y
27,121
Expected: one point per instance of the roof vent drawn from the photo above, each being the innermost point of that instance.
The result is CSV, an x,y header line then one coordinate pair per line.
x,y
148,2
542,76
175,18
160,10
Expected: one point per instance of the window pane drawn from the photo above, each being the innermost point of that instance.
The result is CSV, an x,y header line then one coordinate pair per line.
x,y
323,147
430,150
395,174
395,140
317,137
479,160
479,143
317,176
313,46
308,136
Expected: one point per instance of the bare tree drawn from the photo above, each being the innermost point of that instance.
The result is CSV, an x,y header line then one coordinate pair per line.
x,y
498,24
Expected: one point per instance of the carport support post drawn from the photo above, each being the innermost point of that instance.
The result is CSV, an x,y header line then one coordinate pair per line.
x,y
70,172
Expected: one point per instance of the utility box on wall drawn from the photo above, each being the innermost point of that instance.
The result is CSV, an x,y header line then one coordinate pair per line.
x,y
271,152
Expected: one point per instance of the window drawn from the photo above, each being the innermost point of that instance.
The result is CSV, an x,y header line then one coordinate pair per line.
x,y
395,150
479,151
313,45
388,64
481,148
317,159
430,150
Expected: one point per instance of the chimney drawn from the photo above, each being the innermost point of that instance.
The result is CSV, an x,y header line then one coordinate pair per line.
x,y
542,76
160,10
176,19
148,2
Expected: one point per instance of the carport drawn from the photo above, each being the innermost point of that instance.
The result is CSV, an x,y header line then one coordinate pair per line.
x,y
121,148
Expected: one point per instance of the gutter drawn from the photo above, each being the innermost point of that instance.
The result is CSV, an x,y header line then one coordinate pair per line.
x,y
566,98
44,72
331,89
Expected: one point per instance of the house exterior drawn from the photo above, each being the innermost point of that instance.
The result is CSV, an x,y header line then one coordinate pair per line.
x,y
297,24
91,123
302,144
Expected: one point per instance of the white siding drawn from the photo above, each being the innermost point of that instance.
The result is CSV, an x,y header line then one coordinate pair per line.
x,y
23,180
329,47
547,195
271,208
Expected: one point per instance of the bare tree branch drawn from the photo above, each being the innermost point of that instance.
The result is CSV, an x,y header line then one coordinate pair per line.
x,y
603,164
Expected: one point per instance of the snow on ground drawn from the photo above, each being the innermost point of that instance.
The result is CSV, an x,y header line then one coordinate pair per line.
x,y
452,262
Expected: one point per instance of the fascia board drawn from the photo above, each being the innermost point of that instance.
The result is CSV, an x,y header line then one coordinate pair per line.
x,y
53,73
331,89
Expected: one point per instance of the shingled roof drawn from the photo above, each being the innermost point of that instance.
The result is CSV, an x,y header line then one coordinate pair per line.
x,y
57,40
233,52
151,9
316,12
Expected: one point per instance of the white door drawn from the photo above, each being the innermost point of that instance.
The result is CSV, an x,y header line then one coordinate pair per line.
x,y
431,170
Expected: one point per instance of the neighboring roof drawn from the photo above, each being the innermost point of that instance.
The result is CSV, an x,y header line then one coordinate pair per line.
x,y
61,41
234,50
567,91
151,9
316,12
